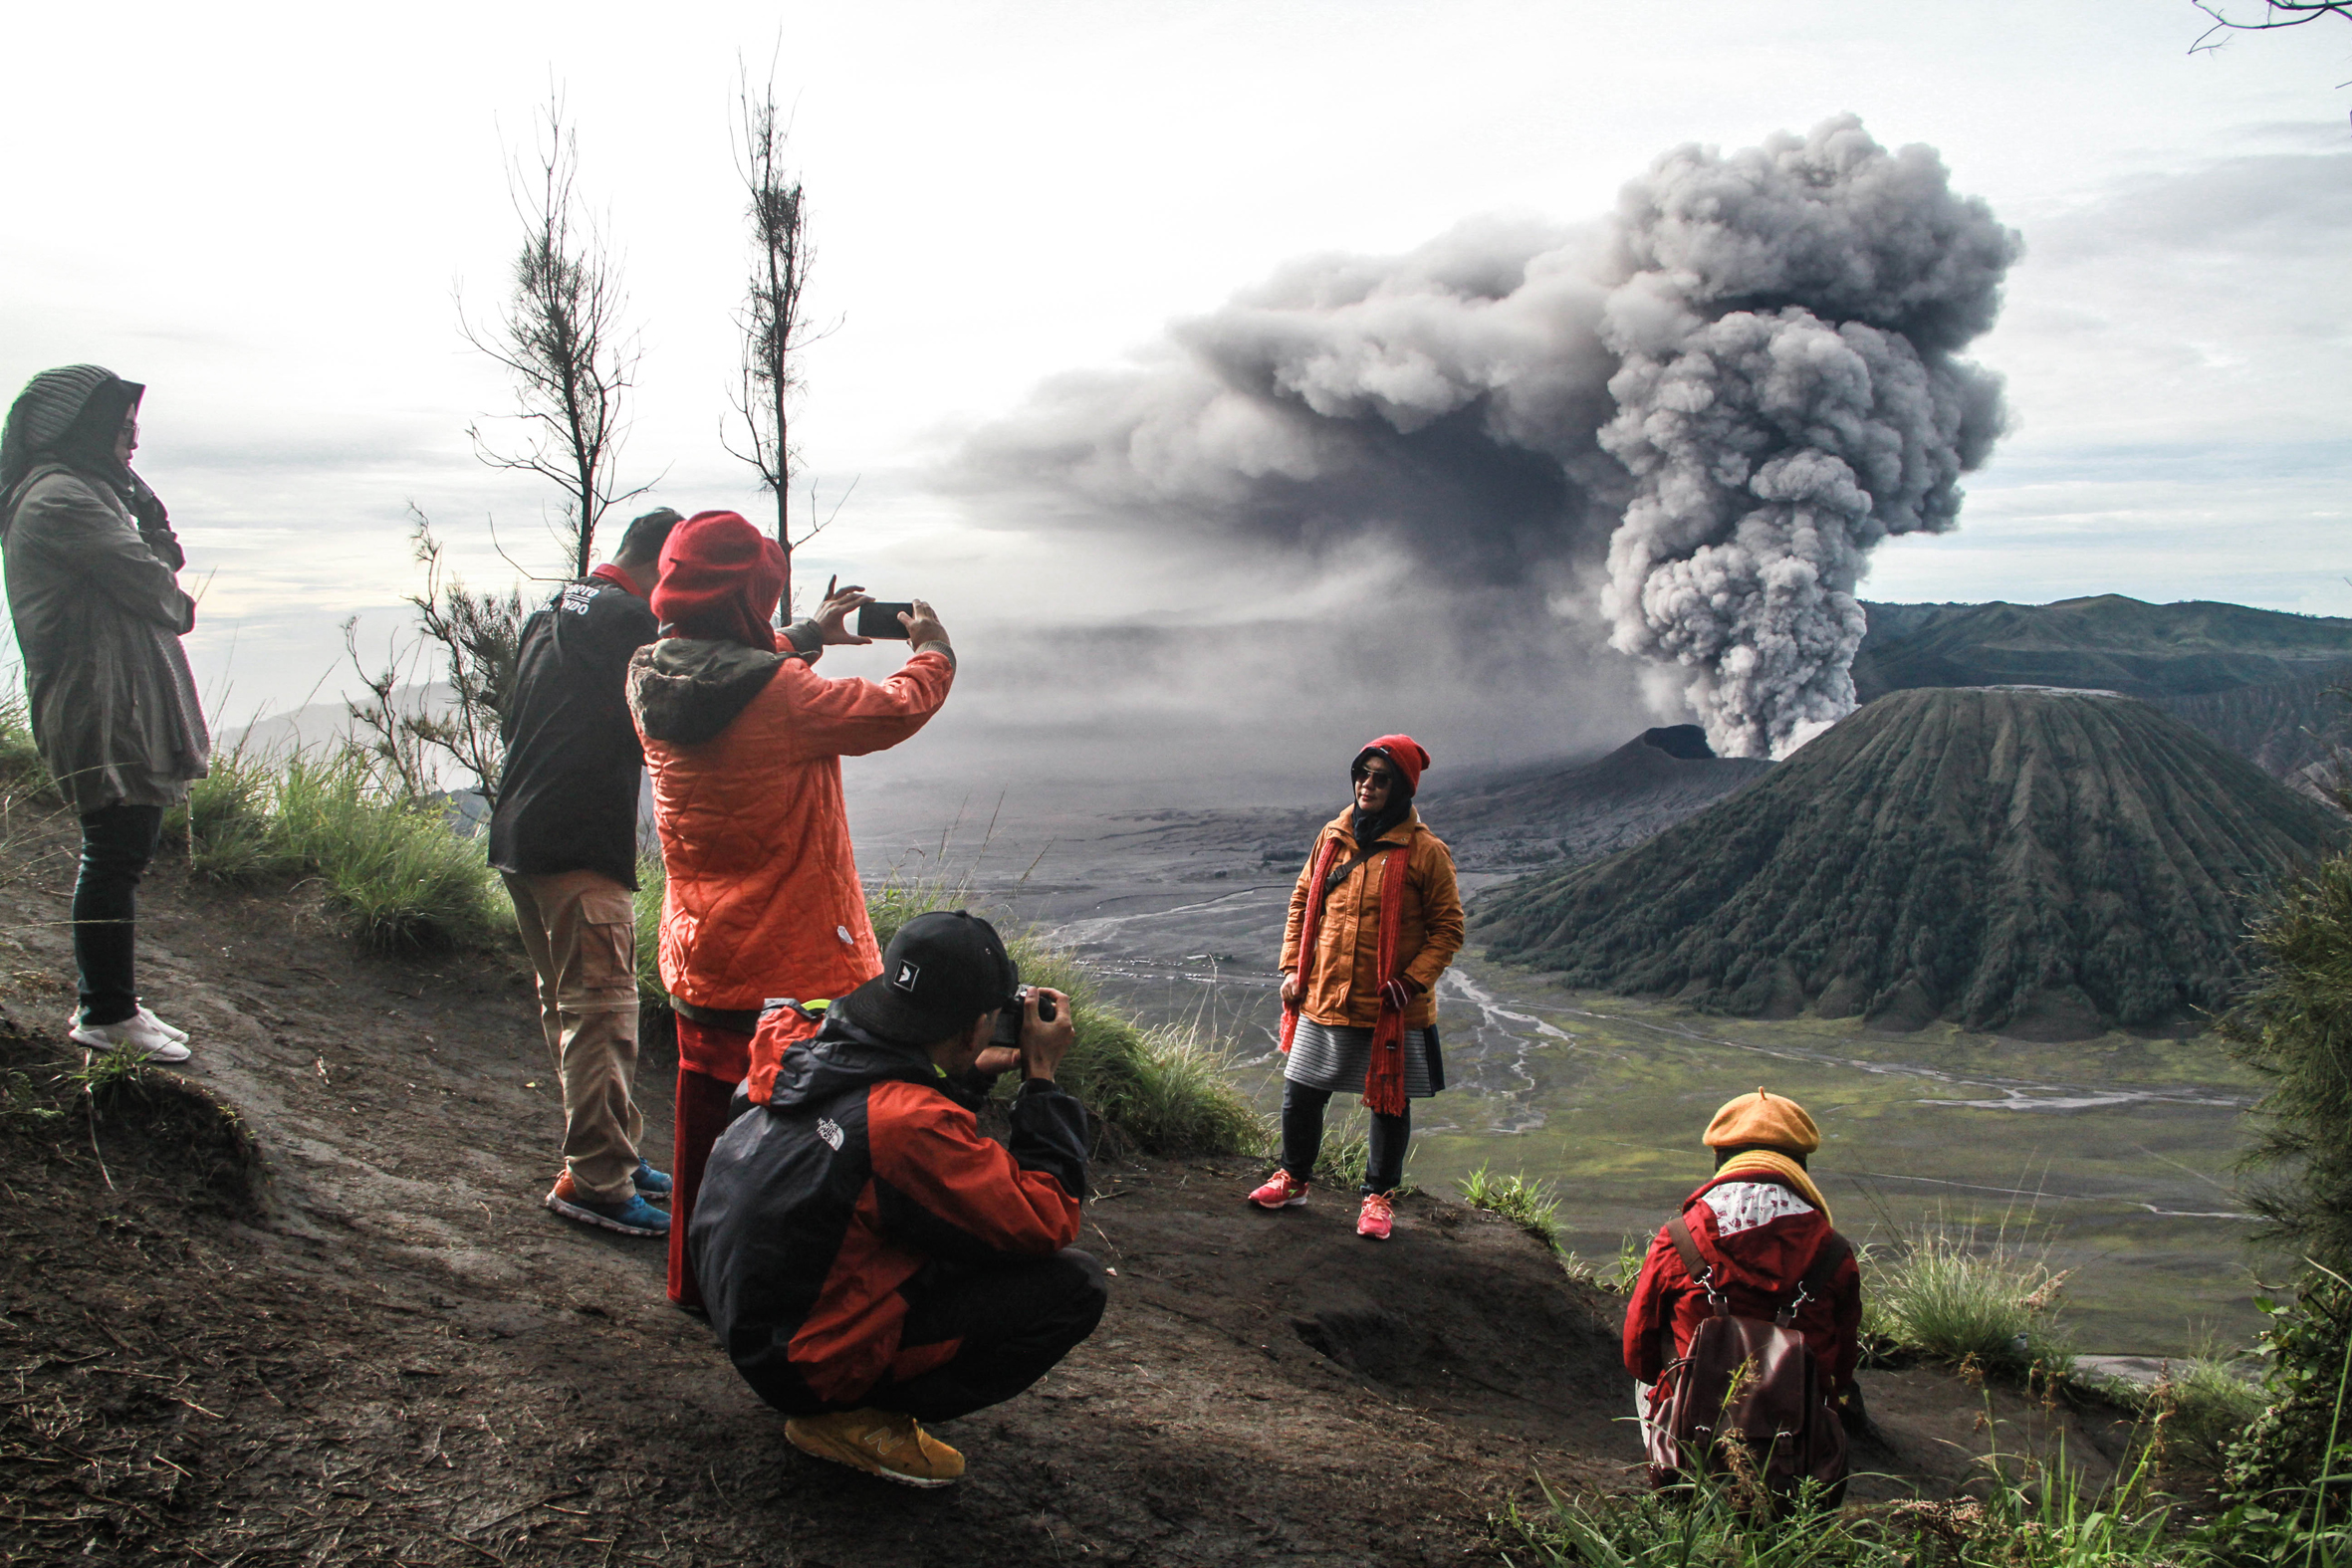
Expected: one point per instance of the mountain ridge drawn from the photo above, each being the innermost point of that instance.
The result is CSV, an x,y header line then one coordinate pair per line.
x,y
2052,863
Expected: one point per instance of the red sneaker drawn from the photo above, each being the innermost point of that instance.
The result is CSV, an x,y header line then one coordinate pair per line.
x,y
1281,1191
1378,1217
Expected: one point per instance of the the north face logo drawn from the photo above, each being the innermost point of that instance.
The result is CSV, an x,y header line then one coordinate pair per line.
x,y
831,1131
906,976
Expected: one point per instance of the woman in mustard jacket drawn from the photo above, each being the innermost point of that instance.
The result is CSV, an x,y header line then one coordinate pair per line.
x,y
1374,920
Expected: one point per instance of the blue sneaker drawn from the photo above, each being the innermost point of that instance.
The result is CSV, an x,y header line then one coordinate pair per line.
x,y
652,1183
633,1217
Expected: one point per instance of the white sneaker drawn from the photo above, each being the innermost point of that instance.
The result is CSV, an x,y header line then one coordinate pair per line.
x,y
178,1035
136,1031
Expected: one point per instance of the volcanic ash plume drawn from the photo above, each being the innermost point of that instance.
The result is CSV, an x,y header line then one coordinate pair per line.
x,y
1787,395
1734,391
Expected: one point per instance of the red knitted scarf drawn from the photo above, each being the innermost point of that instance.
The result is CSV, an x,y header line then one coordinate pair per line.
x,y
1384,1075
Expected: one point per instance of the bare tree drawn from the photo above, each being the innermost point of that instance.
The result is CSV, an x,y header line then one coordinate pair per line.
x,y
561,338
775,321
2275,14
409,737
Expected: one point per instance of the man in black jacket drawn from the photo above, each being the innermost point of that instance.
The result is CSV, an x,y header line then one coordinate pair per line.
x,y
563,836
870,1259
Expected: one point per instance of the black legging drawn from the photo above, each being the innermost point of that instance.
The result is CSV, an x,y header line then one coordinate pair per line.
x,y
1303,1138
117,844
1010,1322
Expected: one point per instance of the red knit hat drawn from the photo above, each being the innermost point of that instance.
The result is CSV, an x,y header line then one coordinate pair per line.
x,y
1409,754
720,580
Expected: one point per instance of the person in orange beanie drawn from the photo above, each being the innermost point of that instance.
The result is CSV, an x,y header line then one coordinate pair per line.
x,y
1757,1226
743,744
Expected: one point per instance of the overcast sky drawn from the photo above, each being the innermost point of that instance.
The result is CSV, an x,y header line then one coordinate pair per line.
x,y
265,213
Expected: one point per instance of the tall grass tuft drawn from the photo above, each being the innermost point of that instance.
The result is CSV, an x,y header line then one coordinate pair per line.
x,y
653,998
21,767
405,882
228,823
1167,1087
1951,1295
900,897
1345,1158
2046,1521
1531,1205
1617,1275
2205,1401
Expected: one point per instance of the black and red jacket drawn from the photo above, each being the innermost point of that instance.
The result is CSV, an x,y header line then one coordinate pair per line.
x,y
1759,1237
822,1210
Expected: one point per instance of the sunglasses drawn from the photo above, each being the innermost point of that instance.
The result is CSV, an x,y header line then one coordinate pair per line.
x,y
1377,774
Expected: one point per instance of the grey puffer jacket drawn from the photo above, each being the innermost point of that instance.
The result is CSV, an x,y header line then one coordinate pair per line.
x,y
99,618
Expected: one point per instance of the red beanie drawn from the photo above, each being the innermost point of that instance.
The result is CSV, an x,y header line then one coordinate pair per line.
x,y
1409,754
720,580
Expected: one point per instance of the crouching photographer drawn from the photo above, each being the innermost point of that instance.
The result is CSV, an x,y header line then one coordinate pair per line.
x,y
869,1260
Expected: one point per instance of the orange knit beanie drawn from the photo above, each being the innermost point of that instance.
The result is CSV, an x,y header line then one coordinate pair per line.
x,y
1761,1118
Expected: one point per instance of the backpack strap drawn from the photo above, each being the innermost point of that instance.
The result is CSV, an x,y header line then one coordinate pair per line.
x,y
1677,1230
1338,873
1828,1257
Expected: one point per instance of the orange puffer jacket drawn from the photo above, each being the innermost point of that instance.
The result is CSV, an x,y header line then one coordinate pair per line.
x,y
745,749
1341,988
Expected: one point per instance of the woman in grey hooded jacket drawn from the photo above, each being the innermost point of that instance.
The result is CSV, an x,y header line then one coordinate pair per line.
x,y
92,587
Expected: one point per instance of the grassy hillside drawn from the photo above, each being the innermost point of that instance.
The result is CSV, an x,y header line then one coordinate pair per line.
x,y
2039,862
2254,680
2118,643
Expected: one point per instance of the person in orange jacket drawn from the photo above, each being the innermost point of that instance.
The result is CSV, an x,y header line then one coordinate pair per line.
x,y
1374,920
1756,1224
744,744
873,1260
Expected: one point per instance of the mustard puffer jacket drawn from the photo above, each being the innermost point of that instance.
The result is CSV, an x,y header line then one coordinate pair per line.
x,y
1342,987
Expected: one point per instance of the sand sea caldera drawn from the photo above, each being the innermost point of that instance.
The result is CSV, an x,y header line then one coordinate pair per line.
x,y
2108,1156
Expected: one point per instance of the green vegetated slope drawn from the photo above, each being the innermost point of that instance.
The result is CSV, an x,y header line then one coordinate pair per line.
x,y
2123,644
2254,680
2045,863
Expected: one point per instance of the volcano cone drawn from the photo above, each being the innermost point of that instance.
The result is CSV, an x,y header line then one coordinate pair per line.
x,y
2045,863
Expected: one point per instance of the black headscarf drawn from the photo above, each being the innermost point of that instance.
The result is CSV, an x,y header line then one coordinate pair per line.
x,y
86,444
1400,801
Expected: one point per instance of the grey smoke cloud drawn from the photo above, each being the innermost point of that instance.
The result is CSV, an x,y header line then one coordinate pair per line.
x,y
1701,413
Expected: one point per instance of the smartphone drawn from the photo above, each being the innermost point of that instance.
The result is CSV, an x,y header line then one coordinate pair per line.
x,y
881,621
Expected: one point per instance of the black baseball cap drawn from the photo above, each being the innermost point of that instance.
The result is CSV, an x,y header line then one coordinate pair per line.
x,y
940,973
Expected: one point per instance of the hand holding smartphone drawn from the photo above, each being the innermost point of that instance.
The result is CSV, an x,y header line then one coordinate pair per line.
x,y
877,619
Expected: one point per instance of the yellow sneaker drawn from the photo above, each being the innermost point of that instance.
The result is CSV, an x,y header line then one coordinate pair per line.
x,y
879,1442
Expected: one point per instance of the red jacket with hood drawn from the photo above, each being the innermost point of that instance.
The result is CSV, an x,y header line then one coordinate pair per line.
x,y
1759,1234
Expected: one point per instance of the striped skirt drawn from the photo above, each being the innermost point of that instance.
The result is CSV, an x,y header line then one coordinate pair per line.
x,y
1336,1056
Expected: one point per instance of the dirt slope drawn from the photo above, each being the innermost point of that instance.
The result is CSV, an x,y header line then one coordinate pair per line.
x,y
298,1305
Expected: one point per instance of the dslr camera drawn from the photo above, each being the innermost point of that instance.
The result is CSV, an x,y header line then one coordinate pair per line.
x,y
1015,1011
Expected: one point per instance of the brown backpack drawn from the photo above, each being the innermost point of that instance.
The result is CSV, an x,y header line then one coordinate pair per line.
x,y
1754,1381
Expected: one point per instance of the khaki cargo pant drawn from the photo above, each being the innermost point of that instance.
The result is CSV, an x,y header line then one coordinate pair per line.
x,y
580,930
